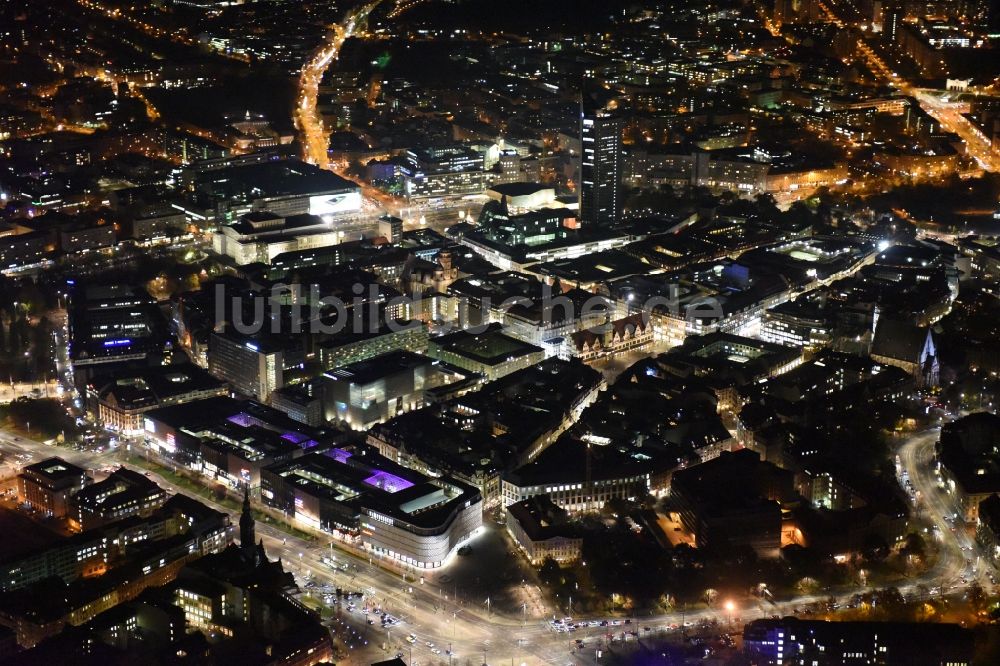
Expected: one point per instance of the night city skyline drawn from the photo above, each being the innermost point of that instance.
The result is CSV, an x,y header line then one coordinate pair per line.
x,y
426,332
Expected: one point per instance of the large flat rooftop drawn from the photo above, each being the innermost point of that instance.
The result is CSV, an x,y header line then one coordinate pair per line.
x,y
55,470
489,347
273,179
379,367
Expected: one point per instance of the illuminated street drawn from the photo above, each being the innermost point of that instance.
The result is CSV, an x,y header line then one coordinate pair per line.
x,y
314,137
959,560
950,115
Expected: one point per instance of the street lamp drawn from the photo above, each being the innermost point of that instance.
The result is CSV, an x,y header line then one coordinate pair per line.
x,y
730,607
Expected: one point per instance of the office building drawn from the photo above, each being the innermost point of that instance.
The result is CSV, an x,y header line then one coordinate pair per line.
x,y
116,322
893,13
95,551
83,237
114,311
391,228
600,168
49,486
254,367
187,148
26,561
443,171
157,224
301,402
21,247
123,494
797,324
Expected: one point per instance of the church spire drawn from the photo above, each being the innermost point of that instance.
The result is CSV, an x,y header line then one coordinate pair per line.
x,y
248,544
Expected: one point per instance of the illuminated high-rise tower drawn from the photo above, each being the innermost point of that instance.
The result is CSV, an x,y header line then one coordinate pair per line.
x,y
600,167
893,13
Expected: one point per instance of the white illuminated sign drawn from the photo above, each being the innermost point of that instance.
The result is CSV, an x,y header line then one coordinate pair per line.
x,y
332,204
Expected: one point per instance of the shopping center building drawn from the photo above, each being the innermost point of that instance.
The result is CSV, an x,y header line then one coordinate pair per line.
x,y
366,499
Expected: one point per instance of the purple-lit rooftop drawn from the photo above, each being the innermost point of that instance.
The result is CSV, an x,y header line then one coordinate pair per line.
x,y
390,483
244,420
340,455
298,438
